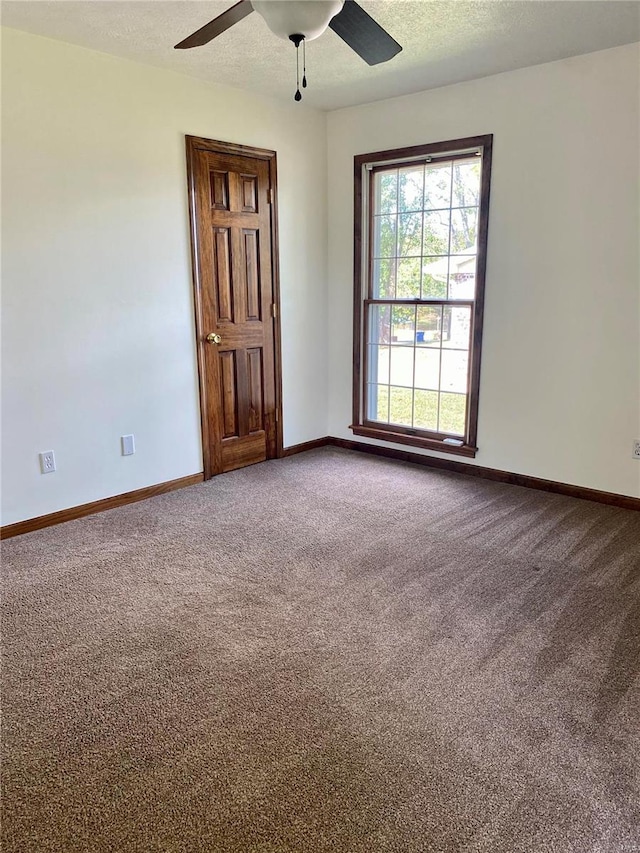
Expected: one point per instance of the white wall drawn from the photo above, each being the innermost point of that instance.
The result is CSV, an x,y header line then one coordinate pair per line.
x,y
98,333
560,385
97,298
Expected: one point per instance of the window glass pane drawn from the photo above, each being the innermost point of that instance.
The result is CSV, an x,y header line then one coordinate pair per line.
x,y
462,277
425,410
401,406
384,278
427,369
403,325
434,277
411,187
464,222
386,191
456,326
378,364
379,324
453,376
378,403
402,366
452,413
384,236
436,232
433,289
466,183
437,186
409,235
408,278
429,324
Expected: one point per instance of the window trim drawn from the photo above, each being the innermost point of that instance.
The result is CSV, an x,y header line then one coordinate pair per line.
x,y
385,159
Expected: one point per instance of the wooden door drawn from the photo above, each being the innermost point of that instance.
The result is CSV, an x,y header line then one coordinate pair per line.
x,y
232,196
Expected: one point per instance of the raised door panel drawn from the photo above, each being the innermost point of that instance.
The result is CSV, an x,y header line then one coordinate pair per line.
x,y
251,269
222,266
249,193
228,394
219,188
256,384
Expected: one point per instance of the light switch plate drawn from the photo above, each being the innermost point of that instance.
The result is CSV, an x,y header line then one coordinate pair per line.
x,y
128,445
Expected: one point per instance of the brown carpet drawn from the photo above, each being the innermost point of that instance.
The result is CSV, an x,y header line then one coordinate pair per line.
x,y
326,653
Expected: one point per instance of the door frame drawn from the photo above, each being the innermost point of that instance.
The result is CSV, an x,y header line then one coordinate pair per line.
x,y
193,145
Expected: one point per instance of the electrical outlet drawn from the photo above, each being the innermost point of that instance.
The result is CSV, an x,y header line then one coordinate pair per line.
x,y
128,445
636,449
47,462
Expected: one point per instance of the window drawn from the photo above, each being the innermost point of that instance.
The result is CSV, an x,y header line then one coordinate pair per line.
x,y
420,255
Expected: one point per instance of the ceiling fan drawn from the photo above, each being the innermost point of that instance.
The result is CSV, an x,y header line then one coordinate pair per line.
x,y
301,21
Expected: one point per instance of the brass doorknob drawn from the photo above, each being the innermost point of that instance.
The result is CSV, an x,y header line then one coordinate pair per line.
x,y
213,338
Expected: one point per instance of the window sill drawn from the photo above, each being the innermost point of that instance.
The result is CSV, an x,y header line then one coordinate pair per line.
x,y
413,440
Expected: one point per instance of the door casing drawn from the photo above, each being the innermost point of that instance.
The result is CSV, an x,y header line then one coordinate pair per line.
x,y
193,145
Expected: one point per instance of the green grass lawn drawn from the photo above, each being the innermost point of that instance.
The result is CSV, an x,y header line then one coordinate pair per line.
x,y
419,409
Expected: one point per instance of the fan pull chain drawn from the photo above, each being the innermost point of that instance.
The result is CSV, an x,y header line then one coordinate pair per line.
x,y
304,64
296,39
297,95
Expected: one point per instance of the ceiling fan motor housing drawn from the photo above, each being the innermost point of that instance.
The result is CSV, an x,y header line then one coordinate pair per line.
x,y
309,18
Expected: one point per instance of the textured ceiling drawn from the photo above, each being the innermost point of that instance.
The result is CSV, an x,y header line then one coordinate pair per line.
x,y
444,41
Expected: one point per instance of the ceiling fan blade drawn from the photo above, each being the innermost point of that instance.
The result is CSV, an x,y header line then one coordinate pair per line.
x,y
218,25
358,29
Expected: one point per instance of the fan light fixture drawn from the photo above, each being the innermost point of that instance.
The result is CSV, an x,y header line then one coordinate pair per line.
x,y
299,21
288,18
